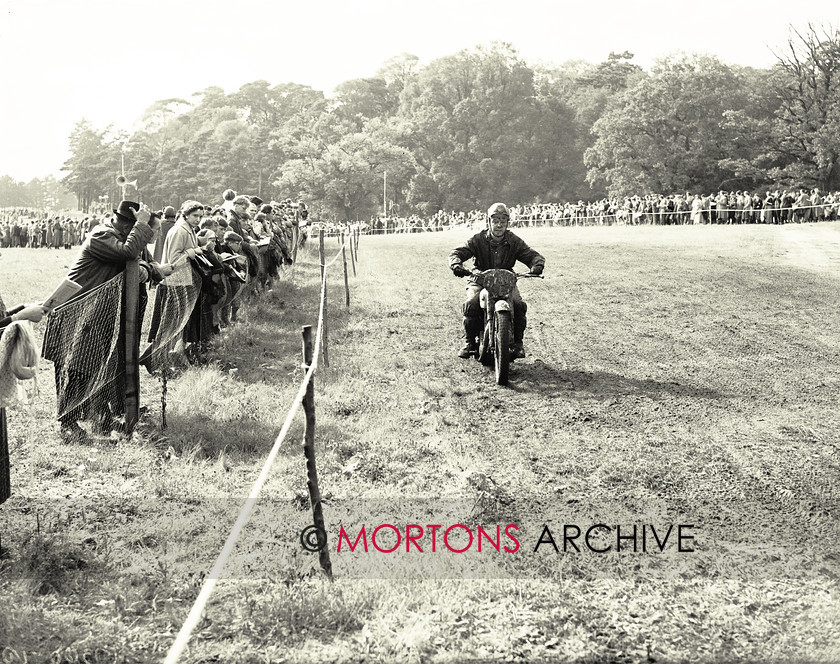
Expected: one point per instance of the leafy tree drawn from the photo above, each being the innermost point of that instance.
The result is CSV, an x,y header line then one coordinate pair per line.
x,y
808,119
346,177
613,74
365,98
93,165
482,132
666,135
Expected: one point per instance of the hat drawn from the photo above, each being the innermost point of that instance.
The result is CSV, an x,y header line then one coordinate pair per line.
x,y
230,236
497,207
125,211
256,200
169,212
229,194
191,206
266,209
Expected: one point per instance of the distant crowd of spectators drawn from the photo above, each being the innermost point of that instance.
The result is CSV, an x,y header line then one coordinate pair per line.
x,y
22,227
733,207
723,207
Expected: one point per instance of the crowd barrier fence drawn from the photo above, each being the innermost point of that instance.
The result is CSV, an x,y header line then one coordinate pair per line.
x,y
305,397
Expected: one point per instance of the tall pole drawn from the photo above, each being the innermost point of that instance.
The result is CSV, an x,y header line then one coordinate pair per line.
x,y
122,172
385,196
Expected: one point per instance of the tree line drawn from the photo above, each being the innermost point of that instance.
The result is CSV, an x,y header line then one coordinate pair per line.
x,y
484,125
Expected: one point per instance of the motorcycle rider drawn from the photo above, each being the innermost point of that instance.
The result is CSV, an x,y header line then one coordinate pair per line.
x,y
494,247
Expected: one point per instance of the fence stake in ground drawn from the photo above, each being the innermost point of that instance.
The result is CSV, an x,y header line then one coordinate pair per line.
x,y
163,397
131,284
356,244
346,283
321,258
309,452
350,234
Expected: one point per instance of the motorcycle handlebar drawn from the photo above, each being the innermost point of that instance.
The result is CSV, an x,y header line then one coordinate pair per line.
x,y
519,275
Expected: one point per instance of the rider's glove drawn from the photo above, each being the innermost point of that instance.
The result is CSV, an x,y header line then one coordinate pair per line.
x,y
460,271
537,270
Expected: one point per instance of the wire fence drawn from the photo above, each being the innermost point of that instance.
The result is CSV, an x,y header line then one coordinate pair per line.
x,y
305,397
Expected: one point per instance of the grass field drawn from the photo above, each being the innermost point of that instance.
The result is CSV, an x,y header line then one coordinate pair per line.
x,y
675,376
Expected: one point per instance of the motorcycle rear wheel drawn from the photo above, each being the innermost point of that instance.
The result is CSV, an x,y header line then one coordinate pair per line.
x,y
501,346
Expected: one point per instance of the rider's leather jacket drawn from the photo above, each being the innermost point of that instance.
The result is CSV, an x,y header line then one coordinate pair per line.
x,y
489,254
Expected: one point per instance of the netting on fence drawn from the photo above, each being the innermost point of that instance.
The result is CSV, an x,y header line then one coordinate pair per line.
x,y
85,340
171,312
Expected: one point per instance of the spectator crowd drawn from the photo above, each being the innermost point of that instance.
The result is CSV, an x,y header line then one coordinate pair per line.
x,y
31,228
724,207
202,260
733,207
20,227
233,249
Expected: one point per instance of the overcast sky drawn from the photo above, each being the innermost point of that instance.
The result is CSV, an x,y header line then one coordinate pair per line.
x,y
108,60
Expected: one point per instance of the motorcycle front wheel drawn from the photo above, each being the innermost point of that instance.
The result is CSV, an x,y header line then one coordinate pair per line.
x,y
485,351
501,346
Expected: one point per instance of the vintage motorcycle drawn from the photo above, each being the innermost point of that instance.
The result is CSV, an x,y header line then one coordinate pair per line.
x,y
494,346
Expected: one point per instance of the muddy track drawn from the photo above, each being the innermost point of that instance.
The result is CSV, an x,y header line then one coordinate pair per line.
x,y
613,414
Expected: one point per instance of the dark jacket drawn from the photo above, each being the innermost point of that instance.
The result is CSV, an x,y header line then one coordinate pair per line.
x,y
503,255
105,252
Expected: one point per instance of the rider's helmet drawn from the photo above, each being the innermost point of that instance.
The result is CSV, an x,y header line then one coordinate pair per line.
x,y
500,211
497,208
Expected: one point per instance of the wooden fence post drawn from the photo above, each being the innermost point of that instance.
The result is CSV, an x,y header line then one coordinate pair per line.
x,y
356,243
350,234
131,287
324,282
346,283
309,453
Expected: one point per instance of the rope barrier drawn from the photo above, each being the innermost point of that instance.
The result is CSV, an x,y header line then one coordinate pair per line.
x,y
194,616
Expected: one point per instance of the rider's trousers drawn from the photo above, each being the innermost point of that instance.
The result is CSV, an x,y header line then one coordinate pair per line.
x,y
472,309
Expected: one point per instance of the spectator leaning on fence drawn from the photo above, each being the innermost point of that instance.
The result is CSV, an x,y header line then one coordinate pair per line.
x,y
236,268
103,256
182,245
238,223
111,245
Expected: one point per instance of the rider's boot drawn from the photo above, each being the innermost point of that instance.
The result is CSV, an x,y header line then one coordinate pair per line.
x,y
517,350
472,327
